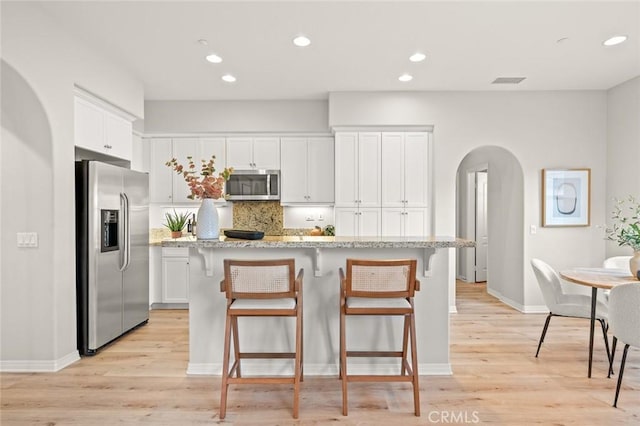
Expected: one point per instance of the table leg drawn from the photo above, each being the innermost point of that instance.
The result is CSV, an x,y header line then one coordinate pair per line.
x,y
594,299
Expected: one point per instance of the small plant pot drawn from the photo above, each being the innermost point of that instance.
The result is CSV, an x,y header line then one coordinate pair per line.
x,y
176,234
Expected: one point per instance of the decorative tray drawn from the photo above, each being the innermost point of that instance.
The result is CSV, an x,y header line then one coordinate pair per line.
x,y
244,234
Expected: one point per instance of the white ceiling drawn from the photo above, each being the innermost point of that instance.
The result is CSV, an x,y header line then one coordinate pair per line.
x,y
358,46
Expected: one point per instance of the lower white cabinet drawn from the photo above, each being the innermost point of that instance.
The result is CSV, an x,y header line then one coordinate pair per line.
x,y
175,275
399,222
354,222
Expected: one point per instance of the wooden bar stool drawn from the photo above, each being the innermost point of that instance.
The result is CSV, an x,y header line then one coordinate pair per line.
x,y
260,288
380,287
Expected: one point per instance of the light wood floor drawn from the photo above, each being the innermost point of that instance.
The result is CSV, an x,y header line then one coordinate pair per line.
x,y
497,379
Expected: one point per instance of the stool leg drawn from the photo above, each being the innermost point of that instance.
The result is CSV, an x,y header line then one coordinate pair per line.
x,y
225,366
414,365
236,344
298,366
343,360
405,340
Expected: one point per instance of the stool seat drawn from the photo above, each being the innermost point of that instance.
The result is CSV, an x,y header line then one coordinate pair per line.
x,y
378,302
264,304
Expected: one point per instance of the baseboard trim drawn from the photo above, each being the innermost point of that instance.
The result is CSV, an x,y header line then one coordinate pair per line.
x,y
41,366
215,369
525,309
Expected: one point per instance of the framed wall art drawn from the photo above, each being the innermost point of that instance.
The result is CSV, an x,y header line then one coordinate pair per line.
x,y
566,197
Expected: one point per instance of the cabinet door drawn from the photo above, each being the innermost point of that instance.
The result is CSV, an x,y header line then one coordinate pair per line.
x,y
392,171
347,222
175,279
118,135
369,170
160,176
346,172
320,169
88,126
415,222
183,148
240,153
266,153
294,170
369,222
392,222
216,147
416,169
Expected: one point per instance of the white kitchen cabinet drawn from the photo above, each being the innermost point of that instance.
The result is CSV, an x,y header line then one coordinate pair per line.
x,y
175,275
307,170
166,186
357,163
404,222
160,176
357,222
248,153
405,169
101,130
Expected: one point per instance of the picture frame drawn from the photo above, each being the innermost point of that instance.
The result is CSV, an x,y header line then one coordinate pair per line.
x,y
566,197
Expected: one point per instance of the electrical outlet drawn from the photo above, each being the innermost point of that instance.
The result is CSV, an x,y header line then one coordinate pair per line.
x,y
27,239
533,229
320,218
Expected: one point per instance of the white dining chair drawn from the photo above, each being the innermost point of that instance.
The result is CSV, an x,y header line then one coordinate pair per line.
x,y
561,304
624,321
617,262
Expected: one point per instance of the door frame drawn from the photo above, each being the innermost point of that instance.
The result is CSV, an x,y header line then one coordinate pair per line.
x,y
470,219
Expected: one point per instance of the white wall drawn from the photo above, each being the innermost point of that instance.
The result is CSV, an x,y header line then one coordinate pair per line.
x,y
40,65
541,129
623,149
235,116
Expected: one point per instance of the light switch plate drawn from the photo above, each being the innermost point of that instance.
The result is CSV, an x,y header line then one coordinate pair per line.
x,y
27,239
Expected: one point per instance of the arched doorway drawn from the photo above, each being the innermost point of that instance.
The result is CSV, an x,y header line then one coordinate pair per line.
x,y
504,198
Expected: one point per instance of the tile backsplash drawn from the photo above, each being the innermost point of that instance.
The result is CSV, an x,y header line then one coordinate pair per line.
x,y
265,216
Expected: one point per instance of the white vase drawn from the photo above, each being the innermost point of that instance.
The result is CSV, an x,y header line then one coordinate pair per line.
x,y
207,227
634,263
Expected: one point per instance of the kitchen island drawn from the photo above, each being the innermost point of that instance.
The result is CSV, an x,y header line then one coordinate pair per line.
x,y
320,257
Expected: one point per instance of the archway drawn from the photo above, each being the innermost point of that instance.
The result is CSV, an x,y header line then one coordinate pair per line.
x,y
505,221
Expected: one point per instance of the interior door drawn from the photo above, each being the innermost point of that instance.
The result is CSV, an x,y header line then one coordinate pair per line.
x,y
482,238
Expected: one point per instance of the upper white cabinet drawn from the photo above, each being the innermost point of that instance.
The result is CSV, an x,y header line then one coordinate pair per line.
x,y
102,128
246,153
166,186
357,162
405,169
307,170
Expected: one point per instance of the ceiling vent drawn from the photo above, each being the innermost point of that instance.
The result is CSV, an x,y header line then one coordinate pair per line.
x,y
508,80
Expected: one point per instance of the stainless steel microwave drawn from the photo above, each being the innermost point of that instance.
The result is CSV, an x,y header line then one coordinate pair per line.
x,y
254,185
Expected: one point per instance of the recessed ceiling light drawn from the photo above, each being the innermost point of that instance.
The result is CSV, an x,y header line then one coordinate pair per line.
x,y
228,78
405,77
615,40
301,41
214,59
417,57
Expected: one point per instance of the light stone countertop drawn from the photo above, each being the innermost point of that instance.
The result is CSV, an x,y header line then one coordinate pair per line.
x,y
321,242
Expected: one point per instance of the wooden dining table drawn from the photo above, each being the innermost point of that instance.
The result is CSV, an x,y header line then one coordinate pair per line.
x,y
603,278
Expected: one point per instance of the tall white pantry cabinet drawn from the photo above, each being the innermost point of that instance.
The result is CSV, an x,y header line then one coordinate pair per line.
x,y
382,183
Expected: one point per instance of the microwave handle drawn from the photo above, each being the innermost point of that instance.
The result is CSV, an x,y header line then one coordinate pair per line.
x,y
269,184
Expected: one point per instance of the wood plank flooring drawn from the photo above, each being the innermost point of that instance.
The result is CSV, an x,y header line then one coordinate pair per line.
x,y
141,380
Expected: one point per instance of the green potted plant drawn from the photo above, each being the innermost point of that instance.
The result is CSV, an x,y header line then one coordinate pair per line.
x,y
626,228
176,222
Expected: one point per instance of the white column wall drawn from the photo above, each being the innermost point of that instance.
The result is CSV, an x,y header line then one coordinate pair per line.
x,y
623,149
40,65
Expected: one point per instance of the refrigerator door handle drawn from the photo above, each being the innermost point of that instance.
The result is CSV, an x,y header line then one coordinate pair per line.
x,y
124,250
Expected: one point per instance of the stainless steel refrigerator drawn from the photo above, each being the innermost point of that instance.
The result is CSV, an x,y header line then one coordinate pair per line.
x,y
112,252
